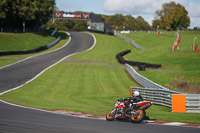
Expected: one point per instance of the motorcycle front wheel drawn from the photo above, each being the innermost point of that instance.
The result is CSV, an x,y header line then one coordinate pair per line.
x,y
110,116
139,117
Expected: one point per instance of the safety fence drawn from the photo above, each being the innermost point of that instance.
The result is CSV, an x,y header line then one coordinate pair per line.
x,y
189,102
141,65
193,103
159,95
142,80
129,40
54,32
53,43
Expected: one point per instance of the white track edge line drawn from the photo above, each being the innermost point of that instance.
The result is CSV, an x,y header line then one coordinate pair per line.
x,y
43,72
144,121
42,110
51,65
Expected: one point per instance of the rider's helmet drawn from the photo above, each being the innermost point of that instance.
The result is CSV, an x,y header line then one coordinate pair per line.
x,y
136,93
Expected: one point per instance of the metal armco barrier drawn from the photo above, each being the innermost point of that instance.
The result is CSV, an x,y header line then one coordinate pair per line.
x,y
130,40
54,32
53,43
178,101
142,80
157,96
193,103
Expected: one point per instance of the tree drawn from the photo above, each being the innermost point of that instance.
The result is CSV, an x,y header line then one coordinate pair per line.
x,y
156,23
68,25
131,23
3,9
128,22
172,16
116,21
143,25
18,14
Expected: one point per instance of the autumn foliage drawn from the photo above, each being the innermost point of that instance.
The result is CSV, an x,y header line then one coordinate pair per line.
x,y
172,16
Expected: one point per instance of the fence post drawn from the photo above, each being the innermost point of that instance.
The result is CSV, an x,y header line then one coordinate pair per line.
x,y
178,103
131,93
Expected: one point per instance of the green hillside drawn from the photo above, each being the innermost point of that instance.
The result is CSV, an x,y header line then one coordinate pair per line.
x,y
24,41
182,64
27,41
93,88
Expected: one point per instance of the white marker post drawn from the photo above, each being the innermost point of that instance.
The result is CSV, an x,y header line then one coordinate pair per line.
x,y
194,42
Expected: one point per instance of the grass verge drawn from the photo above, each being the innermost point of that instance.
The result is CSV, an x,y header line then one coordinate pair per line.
x,y
88,88
25,41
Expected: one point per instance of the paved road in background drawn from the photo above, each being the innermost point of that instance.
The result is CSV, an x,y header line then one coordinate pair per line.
x,y
20,73
15,119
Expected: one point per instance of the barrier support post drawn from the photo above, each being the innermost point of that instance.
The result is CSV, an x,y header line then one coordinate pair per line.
x,y
178,103
131,94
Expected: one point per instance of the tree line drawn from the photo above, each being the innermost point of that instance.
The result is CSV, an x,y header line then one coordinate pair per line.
x,y
24,15
31,15
172,16
117,21
67,25
128,22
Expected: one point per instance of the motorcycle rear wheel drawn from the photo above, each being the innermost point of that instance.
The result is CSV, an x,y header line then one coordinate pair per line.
x,y
110,116
139,117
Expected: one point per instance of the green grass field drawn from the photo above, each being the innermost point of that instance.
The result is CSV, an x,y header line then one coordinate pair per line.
x,y
92,88
106,50
80,87
33,40
158,50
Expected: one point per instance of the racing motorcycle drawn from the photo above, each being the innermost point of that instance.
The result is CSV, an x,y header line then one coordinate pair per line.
x,y
133,111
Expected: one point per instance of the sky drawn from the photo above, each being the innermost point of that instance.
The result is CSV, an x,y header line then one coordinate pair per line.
x,y
144,8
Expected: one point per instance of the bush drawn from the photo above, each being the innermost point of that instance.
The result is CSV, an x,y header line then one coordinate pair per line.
x,y
183,85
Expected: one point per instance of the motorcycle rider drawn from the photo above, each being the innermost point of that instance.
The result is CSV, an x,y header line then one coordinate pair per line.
x,y
134,100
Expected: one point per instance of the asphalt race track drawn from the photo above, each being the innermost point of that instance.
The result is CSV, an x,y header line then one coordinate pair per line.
x,y
14,119
20,73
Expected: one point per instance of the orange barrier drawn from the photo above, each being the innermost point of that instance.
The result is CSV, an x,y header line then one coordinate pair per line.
x,y
178,103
